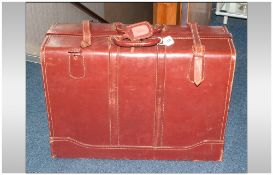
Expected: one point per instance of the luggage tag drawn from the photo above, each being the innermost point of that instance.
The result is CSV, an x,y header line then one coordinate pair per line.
x,y
166,41
138,31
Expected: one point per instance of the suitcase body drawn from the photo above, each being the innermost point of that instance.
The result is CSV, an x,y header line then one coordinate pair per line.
x,y
109,99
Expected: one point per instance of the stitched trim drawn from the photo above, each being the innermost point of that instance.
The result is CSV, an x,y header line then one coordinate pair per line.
x,y
115,35
44,68
117,101
227,91
155,99
113,112
163,98
46,91
48,98
69,139
173,37
109,115
226,97
159,97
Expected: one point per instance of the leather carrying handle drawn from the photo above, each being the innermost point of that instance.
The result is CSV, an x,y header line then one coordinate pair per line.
x,y
86,33
137,35
122,42
198,56
121,28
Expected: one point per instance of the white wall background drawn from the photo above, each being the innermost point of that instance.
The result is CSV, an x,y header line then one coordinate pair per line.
x,y
40,16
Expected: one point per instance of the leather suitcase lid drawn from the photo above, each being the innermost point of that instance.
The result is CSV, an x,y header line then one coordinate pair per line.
x,y
101,29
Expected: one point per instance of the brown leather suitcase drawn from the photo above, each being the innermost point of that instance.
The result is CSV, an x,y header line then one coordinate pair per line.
x,y
137,91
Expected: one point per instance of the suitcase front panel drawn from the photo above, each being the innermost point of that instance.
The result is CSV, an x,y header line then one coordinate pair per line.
x,y
106,101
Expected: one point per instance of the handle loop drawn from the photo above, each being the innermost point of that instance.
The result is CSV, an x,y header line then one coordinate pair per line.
x,y
121,28
124,42
137,35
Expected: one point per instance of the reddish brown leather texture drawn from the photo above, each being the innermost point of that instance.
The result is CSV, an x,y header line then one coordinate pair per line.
x,y
107,101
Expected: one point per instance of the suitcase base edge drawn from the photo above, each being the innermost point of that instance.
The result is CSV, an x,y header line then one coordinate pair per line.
x,y
202,152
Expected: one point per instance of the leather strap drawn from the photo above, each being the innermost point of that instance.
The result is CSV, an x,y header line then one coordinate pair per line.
x,y
86,33
113,94
160,95
198,55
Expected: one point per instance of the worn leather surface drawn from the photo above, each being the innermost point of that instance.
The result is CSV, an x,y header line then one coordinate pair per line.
x,y
107,101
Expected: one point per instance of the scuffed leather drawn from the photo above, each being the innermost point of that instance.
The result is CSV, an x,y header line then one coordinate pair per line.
x,y
136,102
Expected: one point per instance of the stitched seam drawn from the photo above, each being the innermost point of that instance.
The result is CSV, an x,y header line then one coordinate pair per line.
x,y
226,98
109,112
50,121
231,83
113,97
69,139
111,94
163,98
47,91
116,94
155,99
44,82
107,36
159,101
49,103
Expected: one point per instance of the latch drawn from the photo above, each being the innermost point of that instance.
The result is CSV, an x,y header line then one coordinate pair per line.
x,y
76,64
